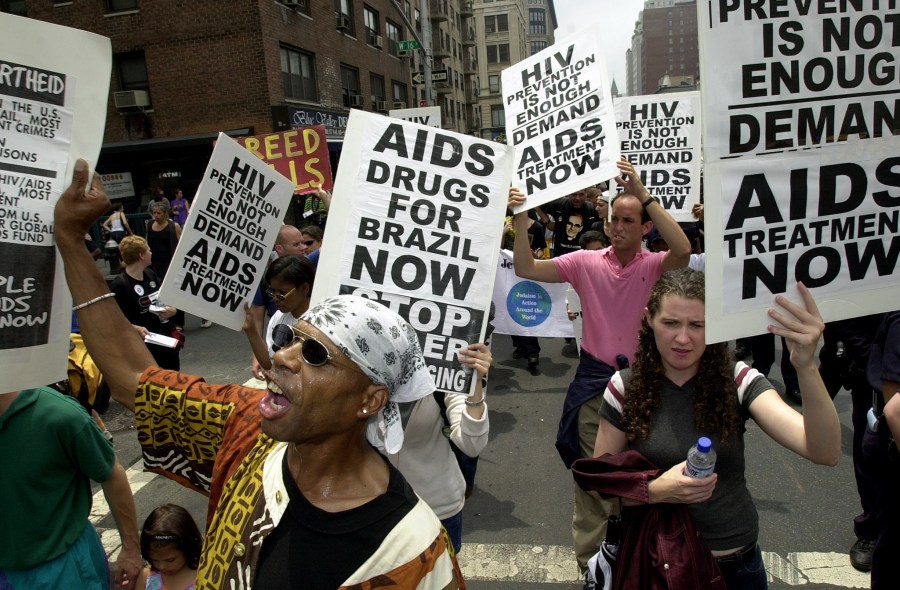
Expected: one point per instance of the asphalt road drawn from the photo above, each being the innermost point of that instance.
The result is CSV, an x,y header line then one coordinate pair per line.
x,y
516,528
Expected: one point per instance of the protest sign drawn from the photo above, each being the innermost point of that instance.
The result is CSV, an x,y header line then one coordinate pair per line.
x,y
41,91
229,235
415,224
430,116
559,117
660,135
299,154
801,171
528,308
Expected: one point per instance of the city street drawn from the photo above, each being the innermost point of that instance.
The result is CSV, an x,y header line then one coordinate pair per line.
x,y
516,529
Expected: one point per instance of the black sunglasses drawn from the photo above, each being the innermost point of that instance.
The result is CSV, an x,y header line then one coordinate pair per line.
x,y
312,351
308,243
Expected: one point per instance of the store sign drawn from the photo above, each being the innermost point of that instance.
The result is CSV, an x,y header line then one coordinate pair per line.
x,y
118,185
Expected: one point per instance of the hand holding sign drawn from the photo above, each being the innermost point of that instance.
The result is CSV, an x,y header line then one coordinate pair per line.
x,y
78,209
630,180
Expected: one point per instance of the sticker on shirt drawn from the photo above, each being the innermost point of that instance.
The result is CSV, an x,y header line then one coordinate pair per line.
x,y
139,290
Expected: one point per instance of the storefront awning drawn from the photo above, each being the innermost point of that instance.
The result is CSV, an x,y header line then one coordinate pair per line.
x,y
160,143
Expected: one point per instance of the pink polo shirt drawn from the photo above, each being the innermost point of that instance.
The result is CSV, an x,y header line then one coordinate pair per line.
x,y
613,297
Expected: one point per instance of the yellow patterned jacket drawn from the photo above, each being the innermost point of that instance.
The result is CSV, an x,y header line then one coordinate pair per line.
x,y
207,437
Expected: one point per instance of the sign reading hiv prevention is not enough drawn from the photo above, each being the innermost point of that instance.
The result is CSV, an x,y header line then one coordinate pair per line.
x,y
559,117
415,224
660,135
230,232
299,154
52,111
801,158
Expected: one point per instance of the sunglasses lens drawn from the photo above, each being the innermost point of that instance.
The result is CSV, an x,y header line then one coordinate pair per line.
x,y
282,336
314,352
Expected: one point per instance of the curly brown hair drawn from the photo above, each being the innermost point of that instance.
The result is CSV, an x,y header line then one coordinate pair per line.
x,y
715,401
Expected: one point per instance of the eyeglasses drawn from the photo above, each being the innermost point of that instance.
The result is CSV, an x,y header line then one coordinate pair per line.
x,y
312,351
280,296
308,243
574,224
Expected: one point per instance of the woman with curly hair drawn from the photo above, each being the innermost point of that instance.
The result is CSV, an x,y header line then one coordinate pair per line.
x,y
679,388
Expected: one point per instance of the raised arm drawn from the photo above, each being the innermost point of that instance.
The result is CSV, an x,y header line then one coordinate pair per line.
x,y
523,259
114,345
816,434
257,343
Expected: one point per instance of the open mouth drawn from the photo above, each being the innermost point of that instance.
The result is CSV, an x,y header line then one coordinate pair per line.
x,y
275,403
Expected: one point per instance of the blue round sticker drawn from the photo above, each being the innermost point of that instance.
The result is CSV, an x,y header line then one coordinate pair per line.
x,y
528,304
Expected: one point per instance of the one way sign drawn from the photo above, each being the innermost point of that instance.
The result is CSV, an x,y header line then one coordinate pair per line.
x,y
436,76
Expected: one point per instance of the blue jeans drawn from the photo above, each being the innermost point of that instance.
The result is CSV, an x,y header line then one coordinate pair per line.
x,y
744,572
454,530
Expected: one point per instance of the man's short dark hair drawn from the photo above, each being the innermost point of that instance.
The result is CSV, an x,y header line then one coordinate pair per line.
x,y
588,237
645,217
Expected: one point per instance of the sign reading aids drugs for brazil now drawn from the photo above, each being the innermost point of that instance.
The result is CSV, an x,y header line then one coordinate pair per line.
x,y
52,111
801,157
660,135
299,154
528,308
230,232
415,224
559,117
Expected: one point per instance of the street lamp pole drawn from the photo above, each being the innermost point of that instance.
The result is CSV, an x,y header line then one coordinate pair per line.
x,y
424,45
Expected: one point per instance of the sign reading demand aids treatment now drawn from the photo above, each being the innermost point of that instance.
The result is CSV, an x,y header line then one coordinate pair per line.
x,y
52,111
230,232
801,158
415,224
559,118
660,135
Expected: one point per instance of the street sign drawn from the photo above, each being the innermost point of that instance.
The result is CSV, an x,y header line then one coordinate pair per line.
x,y
422,103
418,78
408,45
436,76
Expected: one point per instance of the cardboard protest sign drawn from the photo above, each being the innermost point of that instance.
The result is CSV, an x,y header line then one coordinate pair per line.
x,y
299,154
415,224
430,116
660,135
801,159
559,117
225,245
528,308
52,111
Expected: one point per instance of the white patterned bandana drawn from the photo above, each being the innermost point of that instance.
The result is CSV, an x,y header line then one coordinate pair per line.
x,y
386,348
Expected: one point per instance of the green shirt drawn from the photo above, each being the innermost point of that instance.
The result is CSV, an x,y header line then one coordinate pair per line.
x,y
50,450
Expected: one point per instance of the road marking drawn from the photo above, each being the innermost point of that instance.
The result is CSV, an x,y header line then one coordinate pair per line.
x,y
551,564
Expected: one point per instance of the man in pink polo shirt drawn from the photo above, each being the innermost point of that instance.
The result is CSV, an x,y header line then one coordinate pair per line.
x,y
613,284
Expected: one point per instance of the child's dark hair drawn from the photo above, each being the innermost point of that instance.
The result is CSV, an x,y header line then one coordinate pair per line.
x,y
169,525
292,269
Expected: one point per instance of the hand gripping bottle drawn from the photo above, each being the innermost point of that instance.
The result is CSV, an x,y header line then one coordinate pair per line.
x,y
701,459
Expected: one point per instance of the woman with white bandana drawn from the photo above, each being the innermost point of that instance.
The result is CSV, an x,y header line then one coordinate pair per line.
x,y
299,499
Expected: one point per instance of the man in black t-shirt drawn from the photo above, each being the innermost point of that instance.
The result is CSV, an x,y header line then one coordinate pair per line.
x,y
567,218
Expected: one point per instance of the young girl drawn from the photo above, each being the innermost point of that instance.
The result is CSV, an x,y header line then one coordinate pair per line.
x,y
170,543
290,279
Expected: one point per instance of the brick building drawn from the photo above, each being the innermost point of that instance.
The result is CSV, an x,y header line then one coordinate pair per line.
x,y
184,71
664,44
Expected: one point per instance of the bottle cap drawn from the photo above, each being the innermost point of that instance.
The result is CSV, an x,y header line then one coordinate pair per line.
x,y
704,444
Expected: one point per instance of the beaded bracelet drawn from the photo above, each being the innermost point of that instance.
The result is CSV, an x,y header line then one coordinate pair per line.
x,y
93,301
475,404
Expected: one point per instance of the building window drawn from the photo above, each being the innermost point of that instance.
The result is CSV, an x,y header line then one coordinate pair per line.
x,y
370,17
398,91
13,7
497,116
537,21
418,20
496,23
498,53
538,46
298,72
394,33
132,71
376,87
350,86
344,8
494,84
120,5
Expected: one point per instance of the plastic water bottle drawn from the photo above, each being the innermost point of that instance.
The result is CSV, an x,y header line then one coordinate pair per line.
x,y
701,459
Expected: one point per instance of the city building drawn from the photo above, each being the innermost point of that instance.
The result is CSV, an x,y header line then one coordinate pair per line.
x,y
507,31
664,48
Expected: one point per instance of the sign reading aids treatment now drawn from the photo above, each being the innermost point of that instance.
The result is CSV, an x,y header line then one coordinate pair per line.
x,y
52,111
415,224
528,308
559,117
660,135
801,158
230,232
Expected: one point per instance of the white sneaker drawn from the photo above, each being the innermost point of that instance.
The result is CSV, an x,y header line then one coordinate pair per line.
x,y
205,323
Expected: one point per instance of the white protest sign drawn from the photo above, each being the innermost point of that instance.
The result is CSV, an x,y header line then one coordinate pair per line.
x,y
52,111
430,116
225,246
801,170
528,308
415,223
559,117
660,135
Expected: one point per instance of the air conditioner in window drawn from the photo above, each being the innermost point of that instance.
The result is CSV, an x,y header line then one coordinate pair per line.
x,y
382,105
129,99
356,100
399,104
343,22
377,41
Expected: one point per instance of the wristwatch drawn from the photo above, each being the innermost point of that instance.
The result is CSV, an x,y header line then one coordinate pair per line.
x,y
649,200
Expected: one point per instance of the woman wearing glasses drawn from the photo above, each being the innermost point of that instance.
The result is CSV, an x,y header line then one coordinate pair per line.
x,y
290,280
